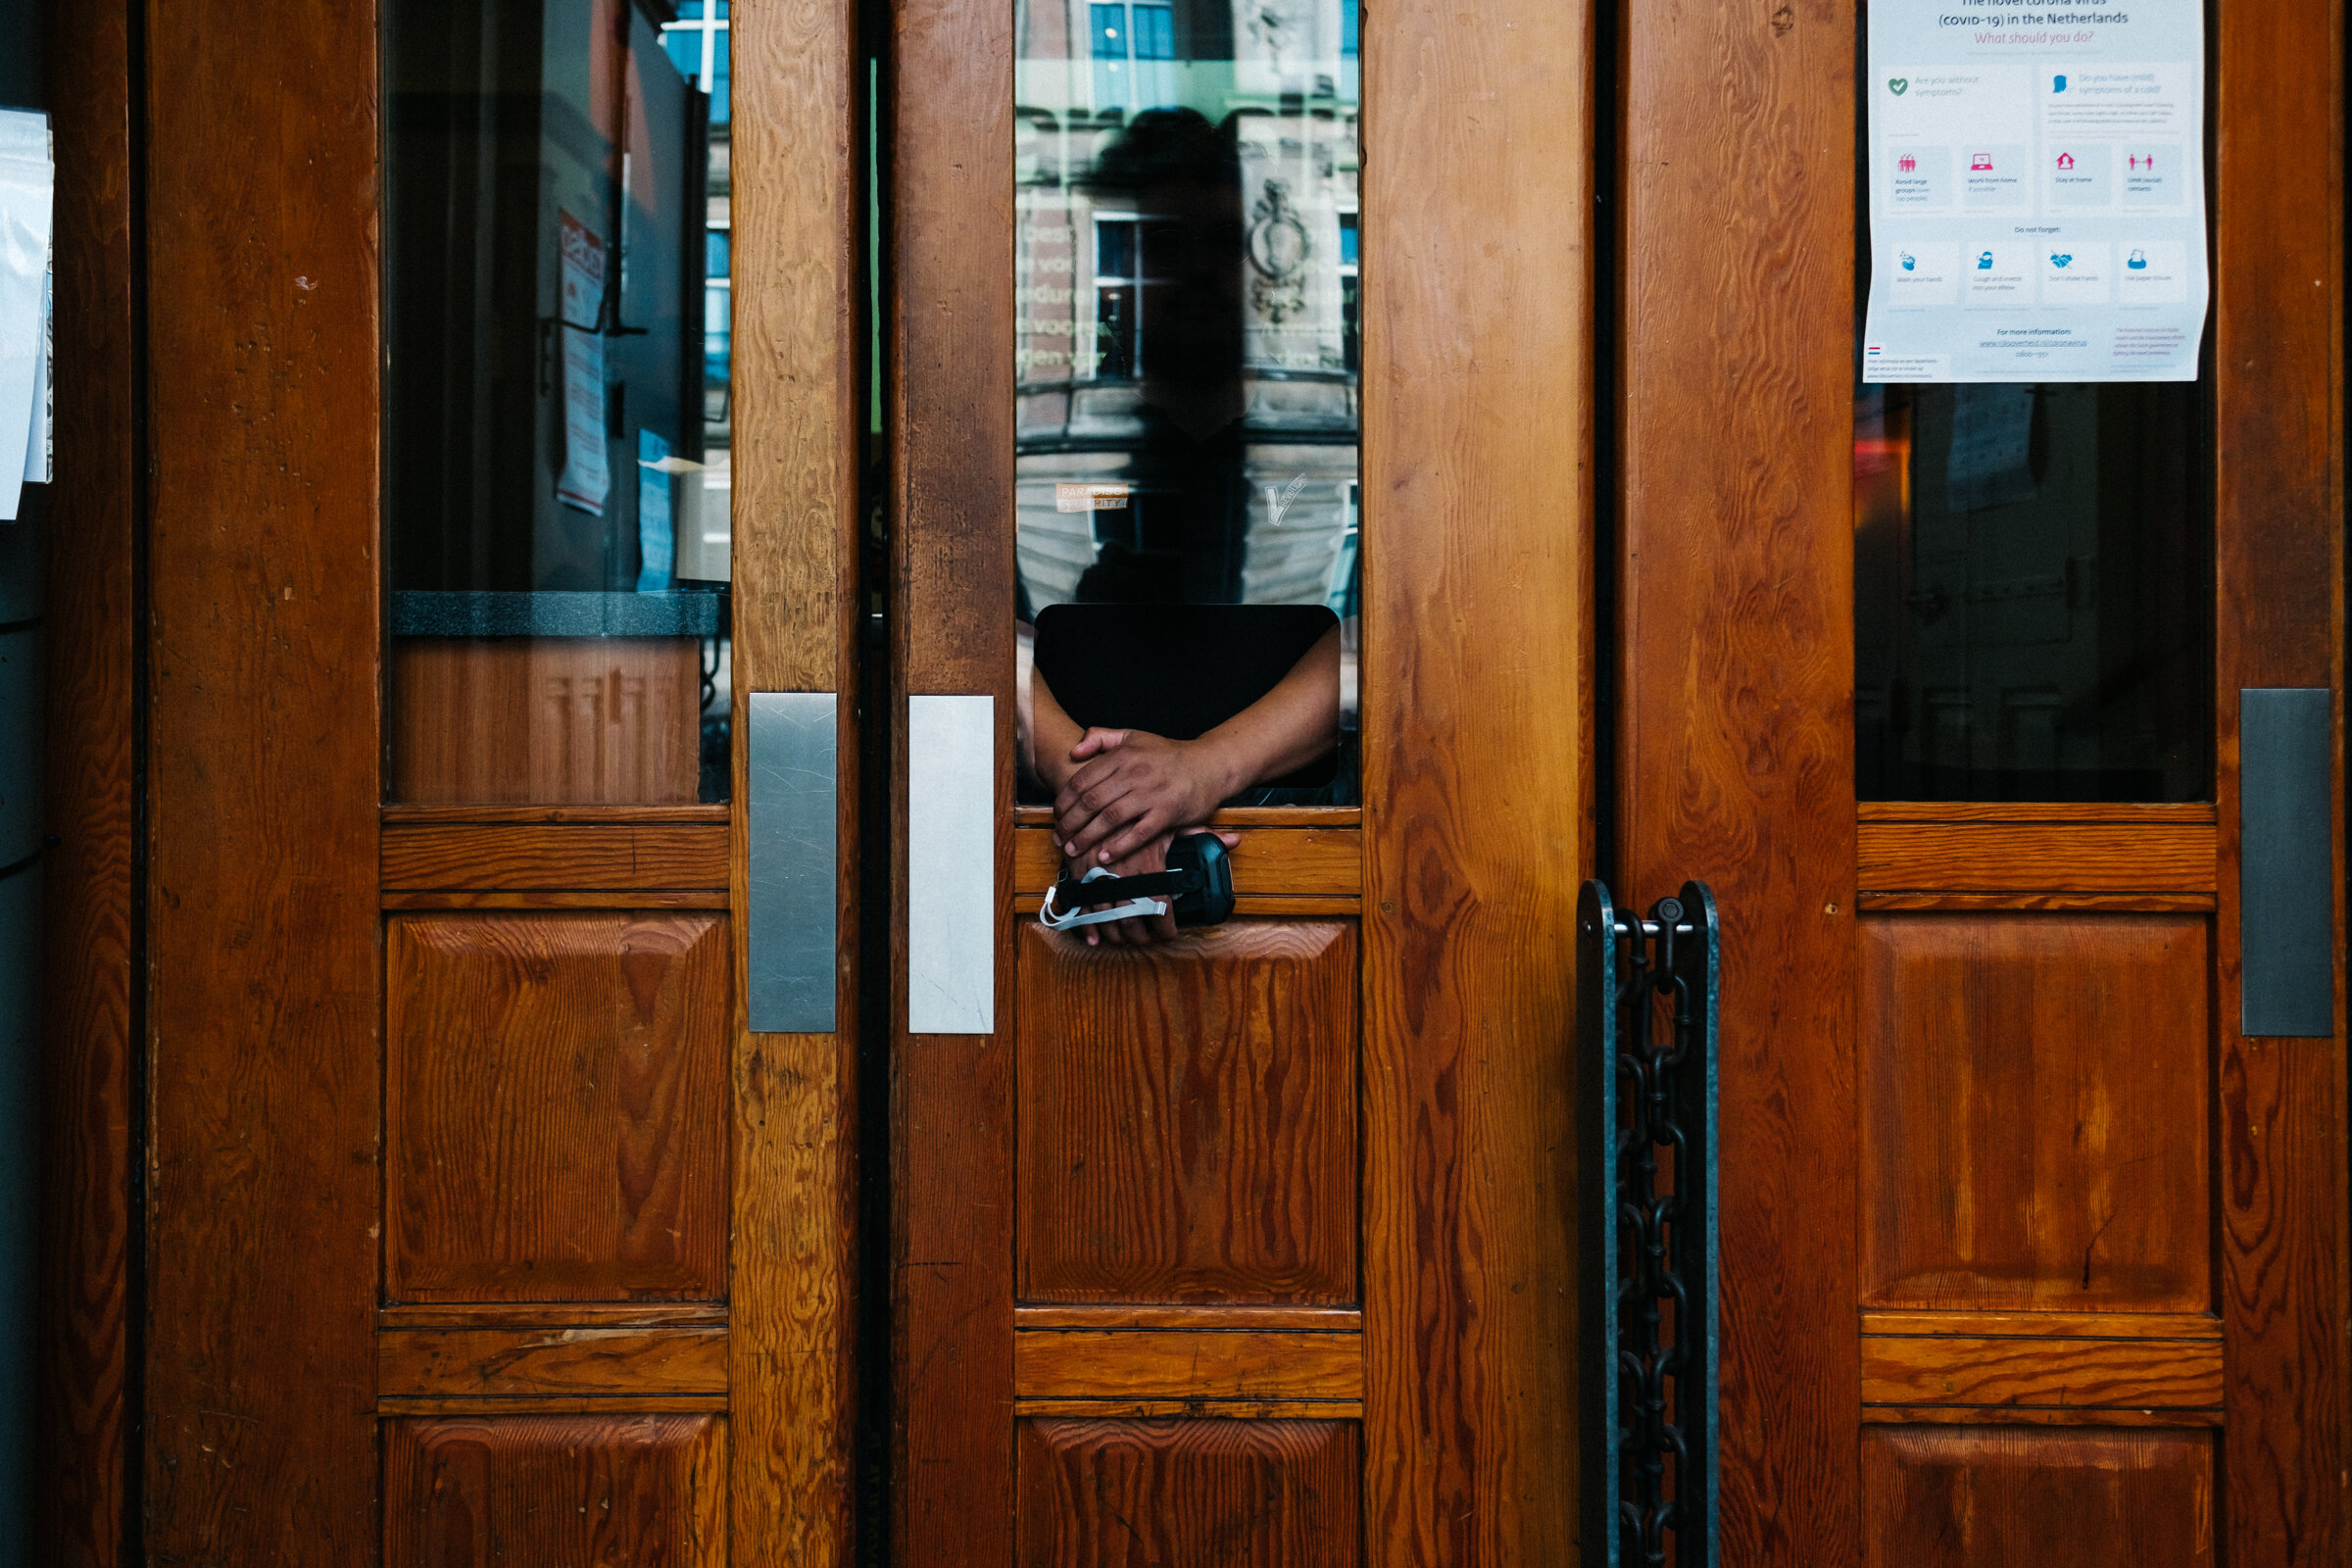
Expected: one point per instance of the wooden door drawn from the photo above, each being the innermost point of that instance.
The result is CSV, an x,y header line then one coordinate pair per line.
x,y
479,1225
1255,1244
2031,1252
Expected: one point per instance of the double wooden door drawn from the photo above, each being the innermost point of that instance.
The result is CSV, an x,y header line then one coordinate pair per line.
x,y
491,1214
480,1223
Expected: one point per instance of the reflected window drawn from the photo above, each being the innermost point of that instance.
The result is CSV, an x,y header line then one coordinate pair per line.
x,y
1187,366
557,425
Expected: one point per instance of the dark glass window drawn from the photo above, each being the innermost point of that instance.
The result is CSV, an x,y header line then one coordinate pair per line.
x,y
2033,593
555,491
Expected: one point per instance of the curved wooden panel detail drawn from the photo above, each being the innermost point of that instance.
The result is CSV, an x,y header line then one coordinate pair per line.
x,y
553,1088
2035,1091
510,1492
1186,1116
1117,1493
1941,1497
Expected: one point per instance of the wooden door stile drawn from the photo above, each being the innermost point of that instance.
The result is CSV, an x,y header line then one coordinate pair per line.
x,y
264,1024
949,343
1477,746
2278,338
791,1411
84,1371
1735,741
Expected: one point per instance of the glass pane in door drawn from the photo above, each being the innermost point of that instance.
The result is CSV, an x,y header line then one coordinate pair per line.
x,y
1187,364
558,421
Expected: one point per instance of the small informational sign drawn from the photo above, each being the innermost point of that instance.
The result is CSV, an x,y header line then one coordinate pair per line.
x,y
2036,191
586,478
657,540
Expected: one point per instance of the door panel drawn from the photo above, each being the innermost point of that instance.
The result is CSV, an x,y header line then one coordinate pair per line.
x,y
472,1491
1187,1117
2094,1301
1128,1494
551,1083
483,1230
1940,1496
1283,1211
2034,1092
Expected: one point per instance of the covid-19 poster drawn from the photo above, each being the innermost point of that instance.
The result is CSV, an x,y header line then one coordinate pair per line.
x,y
2036,191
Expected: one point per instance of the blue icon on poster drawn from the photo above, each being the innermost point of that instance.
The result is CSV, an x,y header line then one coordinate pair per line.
x,y
1909,261
1985,262
2137,262
2057,84
2061,259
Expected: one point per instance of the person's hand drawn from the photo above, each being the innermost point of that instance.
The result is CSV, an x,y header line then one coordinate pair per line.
x,y
1130,788
1142,930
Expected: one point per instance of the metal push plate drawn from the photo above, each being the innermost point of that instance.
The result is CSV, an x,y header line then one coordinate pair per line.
x,y
794,878
2287,860
950,866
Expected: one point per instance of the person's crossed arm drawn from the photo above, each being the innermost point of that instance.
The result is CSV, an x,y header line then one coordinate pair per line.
x,y
1121,795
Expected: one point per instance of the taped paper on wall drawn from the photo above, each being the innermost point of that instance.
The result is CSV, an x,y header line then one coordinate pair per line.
x,y
2036,192
586,478
26,185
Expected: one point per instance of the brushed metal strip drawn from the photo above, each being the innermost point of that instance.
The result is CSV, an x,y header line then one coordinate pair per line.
x,y
950,866
2286,909
794,872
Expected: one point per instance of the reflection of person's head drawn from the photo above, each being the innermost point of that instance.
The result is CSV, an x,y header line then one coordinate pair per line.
x,y
1184,176
1122,576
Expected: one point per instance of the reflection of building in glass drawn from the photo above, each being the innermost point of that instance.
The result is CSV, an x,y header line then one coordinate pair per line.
x,y
1187,186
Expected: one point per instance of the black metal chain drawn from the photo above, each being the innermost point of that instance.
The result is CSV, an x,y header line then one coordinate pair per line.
x,y
1652,1302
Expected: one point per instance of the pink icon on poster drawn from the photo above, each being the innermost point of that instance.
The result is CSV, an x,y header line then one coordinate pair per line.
x,y
2148,163
2066,160
1907,163
1980,163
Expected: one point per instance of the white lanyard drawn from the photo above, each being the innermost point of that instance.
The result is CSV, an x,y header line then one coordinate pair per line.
x,y
1132,908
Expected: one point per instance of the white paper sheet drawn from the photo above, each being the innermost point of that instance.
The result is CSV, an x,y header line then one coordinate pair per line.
x,y
2036,191
26,185
656,543
586,478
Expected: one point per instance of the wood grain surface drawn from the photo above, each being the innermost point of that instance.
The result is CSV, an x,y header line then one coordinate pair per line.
x,y
510,857
488,1490
2277,340
2137,903
2113,812
544,719
947,341
1106,1493
539,1315
1942,1496
1734,747
561,899
1186,1118
262,1013
554,1087
2078,1324
1272,1365
1478,364
1096,1410
2037,1098
403,815
2164,1374
2037,856
1298,863
453,1363
1127,1315
89,790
